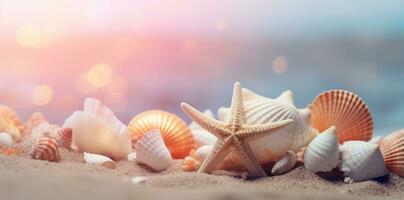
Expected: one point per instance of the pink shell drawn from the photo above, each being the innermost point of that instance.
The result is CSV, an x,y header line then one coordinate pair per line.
x,y
46,148
63,136
392,148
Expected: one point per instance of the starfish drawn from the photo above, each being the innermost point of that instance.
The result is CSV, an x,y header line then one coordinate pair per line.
x,y
233,135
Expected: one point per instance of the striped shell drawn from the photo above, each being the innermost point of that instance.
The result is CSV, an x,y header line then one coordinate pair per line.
x,y
174,131
392,148
344,109
10,123
63,136
34,120
46,148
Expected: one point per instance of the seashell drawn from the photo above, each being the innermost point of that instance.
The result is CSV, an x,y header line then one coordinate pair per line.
x,y
5,140
344,109
152,151
63,136
392,147
193,162
10,123
97,130
202,152
260,110
190,164
362,160
99,160
34,120
139,179
285,164
322,154
201,136
11,151
46,148
132,156
40,130
175,132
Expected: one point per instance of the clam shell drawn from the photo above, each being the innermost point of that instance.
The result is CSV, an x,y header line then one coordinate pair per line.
x,y
63,136
260,110
344,109
392,147
34,120
46,148
201,136
322,154
362,160
285,164
10,123
98,131
5,140
152,151
99,160
175,132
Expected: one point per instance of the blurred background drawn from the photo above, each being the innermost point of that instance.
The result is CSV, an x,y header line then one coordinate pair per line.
x,y
140,55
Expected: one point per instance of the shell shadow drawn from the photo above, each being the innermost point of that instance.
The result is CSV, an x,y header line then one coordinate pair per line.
x,y
335,175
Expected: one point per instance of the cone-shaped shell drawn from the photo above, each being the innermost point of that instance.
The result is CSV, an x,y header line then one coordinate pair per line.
x,y
151,151
98,131
322,154
46,148
63,136
99,160
344,109
260,110
392,147
202,137
362,160
175,132
285,164
34,120
10,123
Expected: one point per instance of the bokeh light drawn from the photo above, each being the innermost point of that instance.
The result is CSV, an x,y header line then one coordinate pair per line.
x,y
279,65
99,75
42,95
30,36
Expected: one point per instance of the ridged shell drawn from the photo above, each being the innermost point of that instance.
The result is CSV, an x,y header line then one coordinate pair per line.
x,y
152,151
99,160
63,136
46,148
34,120
260,110
322,154
362,160
98,131
10,123
285,164
174,131
392,147
202,137
40,130
5,140
344,109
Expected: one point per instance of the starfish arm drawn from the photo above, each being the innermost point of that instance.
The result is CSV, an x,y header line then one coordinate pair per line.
x,y
262,129
215,127
250,161
236,108
219,153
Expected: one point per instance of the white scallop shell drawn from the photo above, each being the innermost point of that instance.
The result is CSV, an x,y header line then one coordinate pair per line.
x,y
362,160
99,160
285,164
260,110
6,140
202,152
97,130
322,154
152,151
202,136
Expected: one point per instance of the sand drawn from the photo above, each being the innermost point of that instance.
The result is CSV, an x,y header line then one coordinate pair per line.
x,y
24,178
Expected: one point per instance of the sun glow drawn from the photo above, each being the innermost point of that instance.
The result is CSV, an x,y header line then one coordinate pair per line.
x,y
42,95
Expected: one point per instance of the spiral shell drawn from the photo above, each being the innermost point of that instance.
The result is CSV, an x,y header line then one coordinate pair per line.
x,y
34,120
344,109
174,131
392,148
63,136
10,123
46,148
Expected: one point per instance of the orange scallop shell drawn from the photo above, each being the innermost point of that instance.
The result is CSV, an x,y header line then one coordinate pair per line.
x,y
344,109
10,123
46,148
175,132
34,120
392,148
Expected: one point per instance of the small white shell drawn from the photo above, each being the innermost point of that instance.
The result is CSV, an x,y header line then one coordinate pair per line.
x,y
285,164
139,179
152,151
201,136
99,160
40,130
5,140
322,154
132,157
362,160
202,152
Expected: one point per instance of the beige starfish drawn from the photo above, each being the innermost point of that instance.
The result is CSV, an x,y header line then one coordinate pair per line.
x,y
234,135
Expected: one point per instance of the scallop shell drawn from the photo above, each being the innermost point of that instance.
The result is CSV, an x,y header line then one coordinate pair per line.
x,y
152,151
175,132
392,147
362,160
63,136
5,140
322,154
202,137
260,110
10,123
344,109
34,120
46,148
285,164
99,160
98,131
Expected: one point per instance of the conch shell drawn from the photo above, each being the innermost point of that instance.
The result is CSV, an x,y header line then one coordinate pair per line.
x,y
10,123
46,148
392,147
